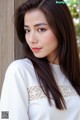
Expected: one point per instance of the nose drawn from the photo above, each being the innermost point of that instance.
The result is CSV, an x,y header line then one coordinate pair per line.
x,y
33,38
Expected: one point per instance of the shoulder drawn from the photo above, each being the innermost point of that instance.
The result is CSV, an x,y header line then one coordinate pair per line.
x,y
20,69
19,72
20,65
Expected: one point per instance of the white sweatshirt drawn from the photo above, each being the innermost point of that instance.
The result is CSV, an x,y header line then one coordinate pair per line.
x,y
23,99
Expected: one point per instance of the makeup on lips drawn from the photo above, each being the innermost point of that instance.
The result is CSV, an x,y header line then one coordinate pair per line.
x,y
36,49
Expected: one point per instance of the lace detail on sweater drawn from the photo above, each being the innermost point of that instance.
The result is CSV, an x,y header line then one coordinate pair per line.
x,y
35,92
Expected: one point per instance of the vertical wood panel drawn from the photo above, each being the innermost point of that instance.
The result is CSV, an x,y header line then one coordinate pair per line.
x,y
10,47
6,36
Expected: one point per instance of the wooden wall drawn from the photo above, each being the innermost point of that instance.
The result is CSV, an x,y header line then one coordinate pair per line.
x,y
10,47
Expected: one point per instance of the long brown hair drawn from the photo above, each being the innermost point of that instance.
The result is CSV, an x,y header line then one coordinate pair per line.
x,y
60,21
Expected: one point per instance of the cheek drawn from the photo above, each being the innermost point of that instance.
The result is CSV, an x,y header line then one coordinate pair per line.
x,y
51,40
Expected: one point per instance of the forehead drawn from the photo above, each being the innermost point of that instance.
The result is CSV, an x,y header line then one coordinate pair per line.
x,y
34,17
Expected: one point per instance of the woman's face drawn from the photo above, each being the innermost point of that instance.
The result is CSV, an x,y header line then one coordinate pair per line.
x,y
41,40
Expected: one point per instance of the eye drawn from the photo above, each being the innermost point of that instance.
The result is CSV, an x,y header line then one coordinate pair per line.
x,y
26,30
41,29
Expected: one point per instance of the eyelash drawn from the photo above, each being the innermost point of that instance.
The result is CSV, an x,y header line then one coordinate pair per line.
x,y
41,30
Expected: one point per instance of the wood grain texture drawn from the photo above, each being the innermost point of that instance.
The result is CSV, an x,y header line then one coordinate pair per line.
x,y
10,47
6,36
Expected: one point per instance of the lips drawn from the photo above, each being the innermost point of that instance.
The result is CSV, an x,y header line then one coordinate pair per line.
x,y
36,49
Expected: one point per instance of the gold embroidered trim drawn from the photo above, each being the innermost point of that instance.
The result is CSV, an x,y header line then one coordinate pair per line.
x,y
35,92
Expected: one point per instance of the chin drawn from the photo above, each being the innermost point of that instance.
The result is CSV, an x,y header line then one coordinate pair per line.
x,y
39,56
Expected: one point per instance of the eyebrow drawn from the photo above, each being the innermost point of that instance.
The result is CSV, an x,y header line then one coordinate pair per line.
x,y
36,25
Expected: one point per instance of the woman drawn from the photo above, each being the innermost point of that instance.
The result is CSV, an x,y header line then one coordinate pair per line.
x,y
45,85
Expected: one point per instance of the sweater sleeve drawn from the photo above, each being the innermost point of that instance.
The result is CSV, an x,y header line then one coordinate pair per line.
x,y
14,96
